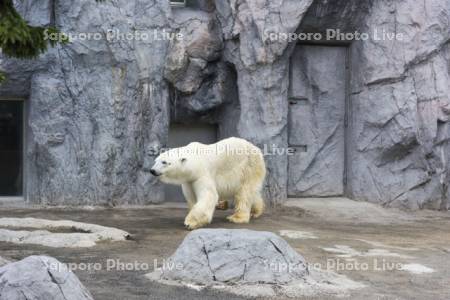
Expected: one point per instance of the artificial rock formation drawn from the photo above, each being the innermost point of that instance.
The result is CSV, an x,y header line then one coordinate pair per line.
x,y
250,263
98,110
61,233
239,256
40,278
400,107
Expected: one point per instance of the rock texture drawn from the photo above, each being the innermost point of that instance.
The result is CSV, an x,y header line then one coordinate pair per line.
x,y
48,233
400,101
40,278
3,261
234,256
254,264
398,151
262,70
99,110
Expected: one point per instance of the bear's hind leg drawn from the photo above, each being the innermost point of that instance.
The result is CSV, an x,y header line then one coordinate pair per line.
x,y
257,206
242,207
222,205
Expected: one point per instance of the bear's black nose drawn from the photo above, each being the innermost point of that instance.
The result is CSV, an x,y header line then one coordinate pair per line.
x,y
154,173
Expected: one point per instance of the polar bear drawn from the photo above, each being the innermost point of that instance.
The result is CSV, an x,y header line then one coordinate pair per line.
x,y
231,169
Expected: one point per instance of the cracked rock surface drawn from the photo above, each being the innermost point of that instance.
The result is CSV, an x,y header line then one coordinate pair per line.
x,y
40,278
234,256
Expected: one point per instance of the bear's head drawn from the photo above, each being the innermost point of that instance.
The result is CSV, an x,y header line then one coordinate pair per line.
x,y
174,166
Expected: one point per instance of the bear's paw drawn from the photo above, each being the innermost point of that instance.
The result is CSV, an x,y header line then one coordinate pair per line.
x,y
196,219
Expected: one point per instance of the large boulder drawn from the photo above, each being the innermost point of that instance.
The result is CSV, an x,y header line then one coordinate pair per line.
x,y
247,263
40,278
234,256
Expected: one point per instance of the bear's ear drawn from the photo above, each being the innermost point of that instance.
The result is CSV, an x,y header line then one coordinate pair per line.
x,y
183,160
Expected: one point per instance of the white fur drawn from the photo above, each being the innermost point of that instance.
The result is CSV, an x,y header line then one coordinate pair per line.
x,y
231,169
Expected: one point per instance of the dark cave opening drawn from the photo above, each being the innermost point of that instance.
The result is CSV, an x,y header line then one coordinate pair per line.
x,y
11,145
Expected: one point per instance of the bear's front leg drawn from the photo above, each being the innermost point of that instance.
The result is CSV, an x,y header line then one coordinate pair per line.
x,y
207,198
189,195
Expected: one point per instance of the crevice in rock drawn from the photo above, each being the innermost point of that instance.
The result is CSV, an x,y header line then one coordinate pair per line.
x,y
279,251
53,279
242,278
425,57
207,259
386,81
418,185
53,13
398,151
24,296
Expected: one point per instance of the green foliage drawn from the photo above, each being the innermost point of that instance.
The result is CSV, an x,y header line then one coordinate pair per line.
x,y
17,38
20,40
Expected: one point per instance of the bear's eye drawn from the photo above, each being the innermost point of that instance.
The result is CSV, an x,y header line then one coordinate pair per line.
x,y
164,162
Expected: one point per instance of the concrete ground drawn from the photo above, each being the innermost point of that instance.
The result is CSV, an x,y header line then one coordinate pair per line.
x,y
395,254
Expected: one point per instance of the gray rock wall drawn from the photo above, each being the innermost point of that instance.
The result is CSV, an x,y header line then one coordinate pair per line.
x,y
400,106
98,110
262,71
398,152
